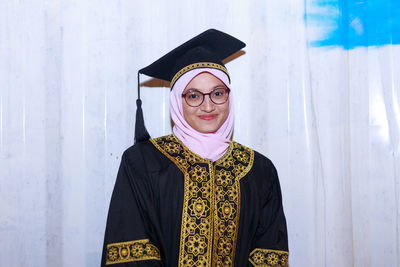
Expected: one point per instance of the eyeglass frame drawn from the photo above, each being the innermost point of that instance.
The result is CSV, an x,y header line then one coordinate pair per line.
x,y
227,91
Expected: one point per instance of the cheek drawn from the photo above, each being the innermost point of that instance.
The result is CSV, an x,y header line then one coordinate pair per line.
x,y
225,111
187,111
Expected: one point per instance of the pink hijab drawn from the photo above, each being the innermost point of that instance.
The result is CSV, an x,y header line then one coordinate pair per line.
x,y
207,145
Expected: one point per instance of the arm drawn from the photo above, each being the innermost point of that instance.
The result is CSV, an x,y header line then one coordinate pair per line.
x,y
128,240
270,243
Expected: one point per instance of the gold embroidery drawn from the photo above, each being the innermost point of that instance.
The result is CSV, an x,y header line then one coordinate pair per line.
x,y
269,258
227,195
211,206
198,174
195,66
137,250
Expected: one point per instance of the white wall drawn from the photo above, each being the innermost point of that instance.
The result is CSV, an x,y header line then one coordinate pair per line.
x,y
329,119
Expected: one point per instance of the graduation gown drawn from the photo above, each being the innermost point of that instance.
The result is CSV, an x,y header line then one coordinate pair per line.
x,y
170,207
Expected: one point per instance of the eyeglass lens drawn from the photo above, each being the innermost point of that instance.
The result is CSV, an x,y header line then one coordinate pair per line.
x,y
195,98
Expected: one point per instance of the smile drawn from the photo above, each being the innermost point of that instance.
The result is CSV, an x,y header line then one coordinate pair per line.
x,y
207,117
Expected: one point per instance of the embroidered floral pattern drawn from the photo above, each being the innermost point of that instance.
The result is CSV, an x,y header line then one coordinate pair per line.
x,y
112,253
224,178
211,202
227,194
273,259
238,168
196,244
269,258
285,260
199,208
172,148
258,257
137,250
198,173
242,156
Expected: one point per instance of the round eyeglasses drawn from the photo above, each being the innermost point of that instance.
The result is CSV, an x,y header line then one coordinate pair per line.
x,y
195,98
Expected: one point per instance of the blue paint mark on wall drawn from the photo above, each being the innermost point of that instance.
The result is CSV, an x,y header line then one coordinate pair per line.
x,y
353,23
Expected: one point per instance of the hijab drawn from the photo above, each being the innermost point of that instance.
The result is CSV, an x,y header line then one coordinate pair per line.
x,y
211,146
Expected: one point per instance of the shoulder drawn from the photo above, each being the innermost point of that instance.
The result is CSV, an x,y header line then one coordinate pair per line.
x,y
259,159
262,170
263,161
145,154
137,150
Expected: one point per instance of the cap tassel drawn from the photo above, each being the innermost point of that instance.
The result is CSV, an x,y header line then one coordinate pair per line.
x,y
141,133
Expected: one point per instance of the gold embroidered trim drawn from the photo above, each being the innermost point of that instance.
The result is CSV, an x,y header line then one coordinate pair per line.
x,y
195,66
137,250
228,172
211,206
269,258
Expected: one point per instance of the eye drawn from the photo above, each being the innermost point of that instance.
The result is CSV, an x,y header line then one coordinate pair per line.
x,y
192,95
219,92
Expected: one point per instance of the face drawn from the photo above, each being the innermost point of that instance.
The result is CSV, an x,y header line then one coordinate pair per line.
x,y
208,117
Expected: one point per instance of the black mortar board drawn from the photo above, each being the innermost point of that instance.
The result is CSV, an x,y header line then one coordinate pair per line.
x,y
206,50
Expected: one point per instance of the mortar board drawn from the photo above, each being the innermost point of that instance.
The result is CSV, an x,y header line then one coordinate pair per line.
x,y
206,50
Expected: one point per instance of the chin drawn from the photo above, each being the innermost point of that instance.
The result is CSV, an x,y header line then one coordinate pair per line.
x,y
207,129
210,131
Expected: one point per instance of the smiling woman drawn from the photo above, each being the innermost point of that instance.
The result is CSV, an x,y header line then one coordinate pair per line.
x,y
195,197
204,126
206,114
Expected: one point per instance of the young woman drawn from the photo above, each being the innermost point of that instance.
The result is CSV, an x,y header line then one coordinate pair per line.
x,y
195,197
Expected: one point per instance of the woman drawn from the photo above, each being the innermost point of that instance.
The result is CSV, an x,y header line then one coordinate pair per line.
x,y
196,198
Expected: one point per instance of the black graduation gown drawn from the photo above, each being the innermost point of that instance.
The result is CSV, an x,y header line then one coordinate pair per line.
x,y
170,207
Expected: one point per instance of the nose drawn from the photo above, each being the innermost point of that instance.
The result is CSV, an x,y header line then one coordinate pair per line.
x,y
207,105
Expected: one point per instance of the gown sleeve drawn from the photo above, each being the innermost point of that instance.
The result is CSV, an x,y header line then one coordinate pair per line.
x,y
270,243
128,239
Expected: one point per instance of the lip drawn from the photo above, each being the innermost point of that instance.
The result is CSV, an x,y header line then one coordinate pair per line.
x,y
207,117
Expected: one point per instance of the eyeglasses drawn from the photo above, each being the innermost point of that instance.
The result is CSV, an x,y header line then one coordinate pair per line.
x,y
195,98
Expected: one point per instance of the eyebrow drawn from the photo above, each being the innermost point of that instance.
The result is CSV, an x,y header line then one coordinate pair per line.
x,y
195,89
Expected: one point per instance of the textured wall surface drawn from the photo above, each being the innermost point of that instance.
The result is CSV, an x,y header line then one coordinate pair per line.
x,y
323,109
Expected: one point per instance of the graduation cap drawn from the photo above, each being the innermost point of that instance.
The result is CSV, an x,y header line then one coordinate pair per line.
x,y
206,50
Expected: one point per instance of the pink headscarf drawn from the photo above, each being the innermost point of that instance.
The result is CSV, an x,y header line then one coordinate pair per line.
x,y
207,145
